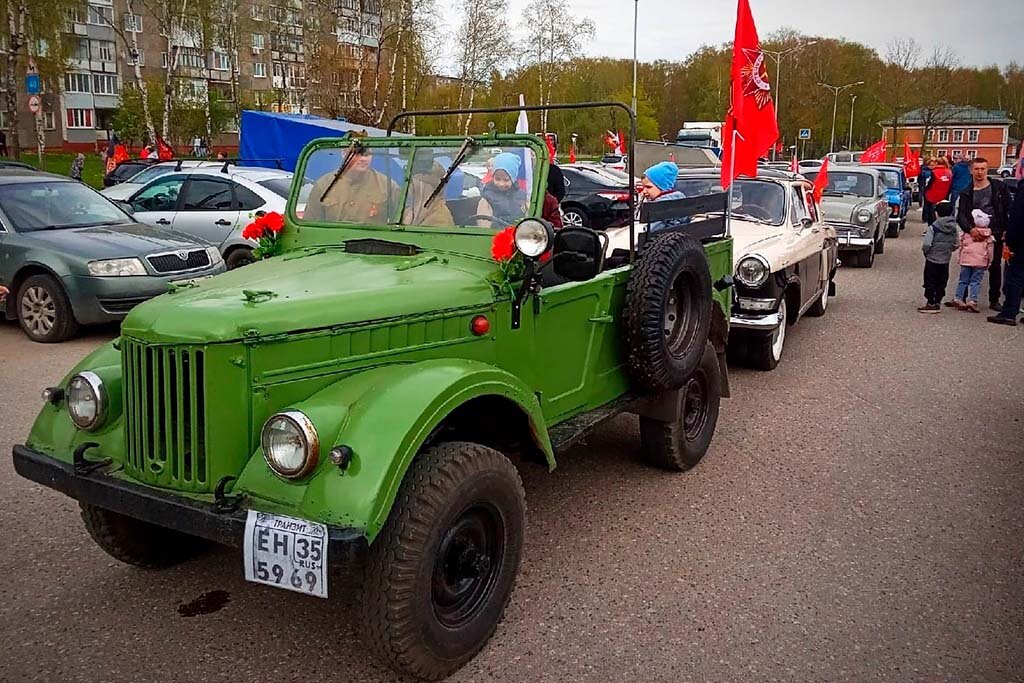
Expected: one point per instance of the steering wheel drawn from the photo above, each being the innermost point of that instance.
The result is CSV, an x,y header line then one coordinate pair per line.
x,y
754,211
501,225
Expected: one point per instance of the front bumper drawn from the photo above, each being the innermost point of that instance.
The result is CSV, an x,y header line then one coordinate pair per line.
x,y
161,508
848,242
107,299
755,322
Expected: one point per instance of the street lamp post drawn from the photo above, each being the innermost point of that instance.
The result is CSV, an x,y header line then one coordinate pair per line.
x,y
777,56
836,90
636,13
849,142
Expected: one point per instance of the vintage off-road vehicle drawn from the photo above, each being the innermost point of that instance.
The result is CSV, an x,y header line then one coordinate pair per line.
x,y
360,397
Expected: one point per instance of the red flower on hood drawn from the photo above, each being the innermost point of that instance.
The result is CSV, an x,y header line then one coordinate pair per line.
x,y
503,246
273,221
253,231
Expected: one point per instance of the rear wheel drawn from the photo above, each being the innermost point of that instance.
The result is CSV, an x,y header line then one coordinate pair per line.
x,y
439,575
44,310
574,218
680,444
238,258
893,230
136,542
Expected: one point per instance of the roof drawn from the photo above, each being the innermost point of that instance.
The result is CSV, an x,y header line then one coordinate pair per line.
x,y
10,176
954,115
255,174
763,173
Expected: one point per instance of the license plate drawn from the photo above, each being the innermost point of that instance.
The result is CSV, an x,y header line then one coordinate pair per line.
x,y
286,552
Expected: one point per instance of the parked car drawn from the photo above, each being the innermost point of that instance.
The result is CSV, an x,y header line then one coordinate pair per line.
x,y
125,170
854,202
898,195
617,162
72,257
593,198
784,257
1005,171
16,166
126,189
215,204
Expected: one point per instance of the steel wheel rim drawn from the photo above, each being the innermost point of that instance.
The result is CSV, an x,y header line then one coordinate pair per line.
x,y
679,323
573,219
467,565
695,406
38,310
779,335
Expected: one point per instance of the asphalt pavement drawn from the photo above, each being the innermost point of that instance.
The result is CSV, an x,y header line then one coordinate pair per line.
x,y
860,517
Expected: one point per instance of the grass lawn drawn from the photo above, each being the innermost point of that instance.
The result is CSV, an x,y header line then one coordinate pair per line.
x,y
60,163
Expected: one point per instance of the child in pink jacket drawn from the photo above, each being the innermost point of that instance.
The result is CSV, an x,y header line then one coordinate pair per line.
x,y
976,253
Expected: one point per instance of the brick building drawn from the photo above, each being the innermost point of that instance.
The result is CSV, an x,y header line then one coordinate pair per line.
x,y
956,131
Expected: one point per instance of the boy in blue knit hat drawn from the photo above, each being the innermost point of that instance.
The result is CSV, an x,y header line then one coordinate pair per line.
x,y
659,185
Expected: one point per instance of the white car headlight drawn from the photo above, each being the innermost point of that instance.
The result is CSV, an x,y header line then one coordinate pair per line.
x,y
117,267
290,444
86,399
863,215
752,271
215,257
533,237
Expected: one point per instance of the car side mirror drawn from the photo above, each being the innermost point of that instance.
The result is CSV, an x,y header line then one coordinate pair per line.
x,y
806,223
127,207
578,254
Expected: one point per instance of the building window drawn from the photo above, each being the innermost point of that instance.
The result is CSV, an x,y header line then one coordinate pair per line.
x,y
972,135
971,153
258,40
940,153
3,120
105,84
49,121
191,56
135,57
943,136
80,50
79,118
256,12
259,70
221,61
957,153
76,83
163,60
316,102
42,47
100,16
103,50
958,136
133,23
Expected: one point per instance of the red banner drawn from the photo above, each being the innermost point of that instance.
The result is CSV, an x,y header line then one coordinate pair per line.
x,y
875,153
821,181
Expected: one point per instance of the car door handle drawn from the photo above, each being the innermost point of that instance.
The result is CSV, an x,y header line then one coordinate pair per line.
x,y
163,221
222,222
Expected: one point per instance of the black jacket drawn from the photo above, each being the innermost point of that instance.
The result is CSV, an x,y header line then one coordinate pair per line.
x,y
1014,236
1000,208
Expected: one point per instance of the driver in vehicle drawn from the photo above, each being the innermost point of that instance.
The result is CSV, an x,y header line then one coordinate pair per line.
x,y
502,197
659,185
359,195
426,174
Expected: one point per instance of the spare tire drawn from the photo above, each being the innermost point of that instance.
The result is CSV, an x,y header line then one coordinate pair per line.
x,y
667,312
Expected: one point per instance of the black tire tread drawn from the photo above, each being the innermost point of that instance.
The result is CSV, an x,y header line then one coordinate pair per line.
x,y
389,626
136,542
241,256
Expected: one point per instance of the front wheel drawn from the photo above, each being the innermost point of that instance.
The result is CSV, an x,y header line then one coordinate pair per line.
x,y
821,305
439,575
136,542
765,350
574,218
44,310
866,257
241,256
880,243
680,444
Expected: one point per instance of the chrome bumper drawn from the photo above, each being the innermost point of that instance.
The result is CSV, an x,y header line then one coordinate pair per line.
x,y
848,242
767,322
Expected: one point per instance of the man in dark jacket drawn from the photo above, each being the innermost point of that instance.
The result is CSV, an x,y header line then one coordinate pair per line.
x,y
992,197
961,178
1014,239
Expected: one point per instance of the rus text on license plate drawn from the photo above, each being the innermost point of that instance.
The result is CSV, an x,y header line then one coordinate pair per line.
x,y
286,552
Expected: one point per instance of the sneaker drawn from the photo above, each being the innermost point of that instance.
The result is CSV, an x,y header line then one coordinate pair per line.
x,y
971,307
928,308
1000,320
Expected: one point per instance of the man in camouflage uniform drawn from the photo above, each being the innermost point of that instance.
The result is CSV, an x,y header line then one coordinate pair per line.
x,y
360,195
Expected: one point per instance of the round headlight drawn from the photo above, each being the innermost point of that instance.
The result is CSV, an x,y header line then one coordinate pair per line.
x,y
863,215
533,237
752,271
87,400
290,444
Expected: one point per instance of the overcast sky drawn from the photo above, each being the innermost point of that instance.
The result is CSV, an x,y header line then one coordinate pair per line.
x,y
982,32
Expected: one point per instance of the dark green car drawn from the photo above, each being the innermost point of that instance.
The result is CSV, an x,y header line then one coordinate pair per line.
x,y
72,257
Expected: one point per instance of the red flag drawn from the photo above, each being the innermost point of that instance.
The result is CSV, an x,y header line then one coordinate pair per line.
x,y
622,144
611,140
751,113
551,148
874,154
794,166
821,181
911,161
164,151
572,154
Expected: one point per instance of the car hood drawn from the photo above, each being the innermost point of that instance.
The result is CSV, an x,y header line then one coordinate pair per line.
x,y
113,241
121,191
842,209
754,238
311,289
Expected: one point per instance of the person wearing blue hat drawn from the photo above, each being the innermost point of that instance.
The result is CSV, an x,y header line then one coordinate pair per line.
x,y
659,185
502,196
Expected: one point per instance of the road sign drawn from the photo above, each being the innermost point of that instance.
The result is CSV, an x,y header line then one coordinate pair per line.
x,y
32,68
33,104
32,84
805,133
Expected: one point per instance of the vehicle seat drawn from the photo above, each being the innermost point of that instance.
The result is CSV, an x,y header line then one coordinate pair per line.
x,y
462,209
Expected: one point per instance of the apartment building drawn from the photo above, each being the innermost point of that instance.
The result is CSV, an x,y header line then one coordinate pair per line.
x,y
270,68
959,131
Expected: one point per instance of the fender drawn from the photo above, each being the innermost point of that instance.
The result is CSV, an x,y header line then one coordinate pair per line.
x,y
385,415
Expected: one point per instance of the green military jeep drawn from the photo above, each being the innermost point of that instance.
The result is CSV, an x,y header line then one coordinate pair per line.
x,y
361,397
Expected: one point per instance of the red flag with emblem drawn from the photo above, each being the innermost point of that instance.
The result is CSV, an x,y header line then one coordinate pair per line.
x,y
875,153
911,161
622,144
821,181
750,128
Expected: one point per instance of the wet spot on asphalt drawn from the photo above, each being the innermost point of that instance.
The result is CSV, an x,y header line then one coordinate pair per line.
x,y
207,603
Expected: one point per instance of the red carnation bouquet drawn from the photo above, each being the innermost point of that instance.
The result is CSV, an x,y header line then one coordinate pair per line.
x,y
510,263
266,230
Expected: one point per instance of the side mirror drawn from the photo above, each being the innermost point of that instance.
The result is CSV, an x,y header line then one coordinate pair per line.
x,y
127,207
578,254
806,223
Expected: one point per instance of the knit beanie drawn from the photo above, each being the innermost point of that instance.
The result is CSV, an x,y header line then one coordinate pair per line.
x,y
509,163
663,175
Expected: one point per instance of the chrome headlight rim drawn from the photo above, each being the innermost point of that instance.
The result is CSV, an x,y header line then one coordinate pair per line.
x,y
310,438
766,270
533,237
863,216
99,391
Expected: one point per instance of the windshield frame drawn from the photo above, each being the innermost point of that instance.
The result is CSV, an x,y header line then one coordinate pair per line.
x,y
12,227
534,143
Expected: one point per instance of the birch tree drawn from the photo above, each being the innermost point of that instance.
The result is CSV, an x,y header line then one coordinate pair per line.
x,y
172,18
130,38
483,43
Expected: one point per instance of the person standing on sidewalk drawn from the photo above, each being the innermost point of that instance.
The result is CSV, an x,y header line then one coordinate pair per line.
x,y
923,180
1013,238
992,197
961,180
940,241
938,186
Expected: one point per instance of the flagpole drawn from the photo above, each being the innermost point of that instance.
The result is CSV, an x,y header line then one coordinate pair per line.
x,y
732,182
636,13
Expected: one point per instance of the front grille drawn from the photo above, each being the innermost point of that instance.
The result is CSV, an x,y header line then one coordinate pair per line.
x,y
165,415
173,262
122,305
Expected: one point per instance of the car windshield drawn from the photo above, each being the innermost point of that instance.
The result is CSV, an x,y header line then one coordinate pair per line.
x,y
147,174
282,188
760,200
891,179
846,182
55,205
407,185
